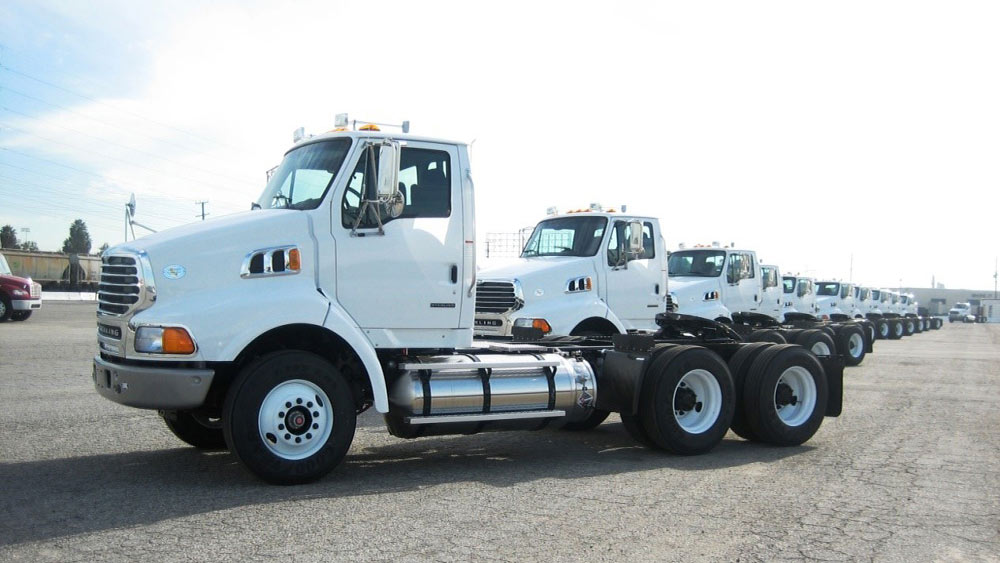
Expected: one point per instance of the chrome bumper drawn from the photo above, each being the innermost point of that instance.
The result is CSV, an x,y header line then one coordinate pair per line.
x,y
151,387
26,304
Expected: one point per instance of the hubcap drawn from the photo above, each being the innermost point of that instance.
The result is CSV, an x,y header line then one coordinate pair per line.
x,y
821,349
795,396
855,344
697,401
295,419
883,330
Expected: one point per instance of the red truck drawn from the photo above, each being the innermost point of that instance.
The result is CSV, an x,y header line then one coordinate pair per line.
x,y
18,296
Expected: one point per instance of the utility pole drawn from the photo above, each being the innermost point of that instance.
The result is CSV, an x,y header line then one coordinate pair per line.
x,y
850,275
202,204
995,263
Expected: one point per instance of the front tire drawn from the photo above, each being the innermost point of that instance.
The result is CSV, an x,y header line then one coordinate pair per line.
x,y
895,329
289,417
882,329
189,429
20,315
5,308
767,335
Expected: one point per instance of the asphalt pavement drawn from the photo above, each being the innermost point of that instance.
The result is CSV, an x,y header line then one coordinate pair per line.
x,y
909,472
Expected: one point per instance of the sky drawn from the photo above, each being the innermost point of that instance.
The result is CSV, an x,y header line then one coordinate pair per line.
x,y
850,140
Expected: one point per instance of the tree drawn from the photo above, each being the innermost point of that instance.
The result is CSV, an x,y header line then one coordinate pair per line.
x,y
8,237
79,239
29,245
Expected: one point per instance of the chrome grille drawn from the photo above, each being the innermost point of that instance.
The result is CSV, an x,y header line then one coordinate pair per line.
x,y
36,290
120,287
495,297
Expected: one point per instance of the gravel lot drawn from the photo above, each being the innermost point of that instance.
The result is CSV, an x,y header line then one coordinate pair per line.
x,y
909,472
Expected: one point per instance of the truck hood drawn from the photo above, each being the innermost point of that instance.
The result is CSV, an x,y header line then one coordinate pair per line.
x,y
688,289
545,276
208,252
7,280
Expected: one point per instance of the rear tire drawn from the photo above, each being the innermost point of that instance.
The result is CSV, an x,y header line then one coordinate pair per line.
x,y
851,342
190,430
767,335
597,416
300,389
818,342
633,425
907,327
785,395
882,329
895,329
739,365
687,402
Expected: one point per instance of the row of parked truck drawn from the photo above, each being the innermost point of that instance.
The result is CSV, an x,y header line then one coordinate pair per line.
x,y
353,285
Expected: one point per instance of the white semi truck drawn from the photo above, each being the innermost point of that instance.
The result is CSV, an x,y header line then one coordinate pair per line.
x,y
574,277
354,286
799,295
728,285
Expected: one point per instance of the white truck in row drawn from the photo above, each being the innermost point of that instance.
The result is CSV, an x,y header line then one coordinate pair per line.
x,y
353,286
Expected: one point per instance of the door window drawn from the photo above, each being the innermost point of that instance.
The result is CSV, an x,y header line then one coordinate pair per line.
x,y
619,238
424,181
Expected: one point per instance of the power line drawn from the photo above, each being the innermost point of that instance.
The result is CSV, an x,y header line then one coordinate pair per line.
x,y
123,161
126,147
96,101
95,120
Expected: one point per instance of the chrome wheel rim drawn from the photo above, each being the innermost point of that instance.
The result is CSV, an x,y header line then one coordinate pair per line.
x,y
855,345
821,349
295,419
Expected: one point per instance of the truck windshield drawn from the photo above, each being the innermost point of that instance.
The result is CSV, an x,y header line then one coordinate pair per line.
x,y
827,288
789,284
4,268
845,290
698,263
566,236
305,175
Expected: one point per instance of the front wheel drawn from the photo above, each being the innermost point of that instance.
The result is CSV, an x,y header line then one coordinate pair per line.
x,y
851,341
289,417
5,308
20,315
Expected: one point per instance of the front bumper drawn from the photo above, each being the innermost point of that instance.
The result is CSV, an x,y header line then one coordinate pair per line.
x,y
26,304
152,387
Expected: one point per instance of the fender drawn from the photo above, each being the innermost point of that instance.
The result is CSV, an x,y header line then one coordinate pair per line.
x,y
338,322
711,310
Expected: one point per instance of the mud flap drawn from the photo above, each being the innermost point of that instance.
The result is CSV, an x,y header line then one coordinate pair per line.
x,y
834,368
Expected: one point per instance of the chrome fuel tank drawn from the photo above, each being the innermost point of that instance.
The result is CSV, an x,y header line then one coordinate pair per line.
x,y
492,391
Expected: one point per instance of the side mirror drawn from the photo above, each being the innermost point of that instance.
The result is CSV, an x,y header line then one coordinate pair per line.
x,y
634,248
388,171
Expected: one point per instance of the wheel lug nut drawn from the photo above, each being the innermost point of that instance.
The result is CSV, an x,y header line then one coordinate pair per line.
x,y
281,427
298,401
298,440
288,436
281,414
288,405
315,426
309,404
316,413
309,436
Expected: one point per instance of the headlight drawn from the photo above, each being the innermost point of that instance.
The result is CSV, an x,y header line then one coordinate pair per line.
x,y
160,340
711,295
20,293
527,322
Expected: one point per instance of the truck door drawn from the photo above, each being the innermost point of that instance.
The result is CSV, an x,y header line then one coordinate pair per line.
x,y
409,277
634,288
744,283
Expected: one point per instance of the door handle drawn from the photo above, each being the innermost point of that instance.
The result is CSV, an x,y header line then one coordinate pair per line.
x,y
454,273
656,289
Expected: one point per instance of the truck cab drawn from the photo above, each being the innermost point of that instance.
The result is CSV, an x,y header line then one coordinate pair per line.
x,y
875,306
713,282
773,292
19,297
834,299
862,302
959,312
575,277
799,295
